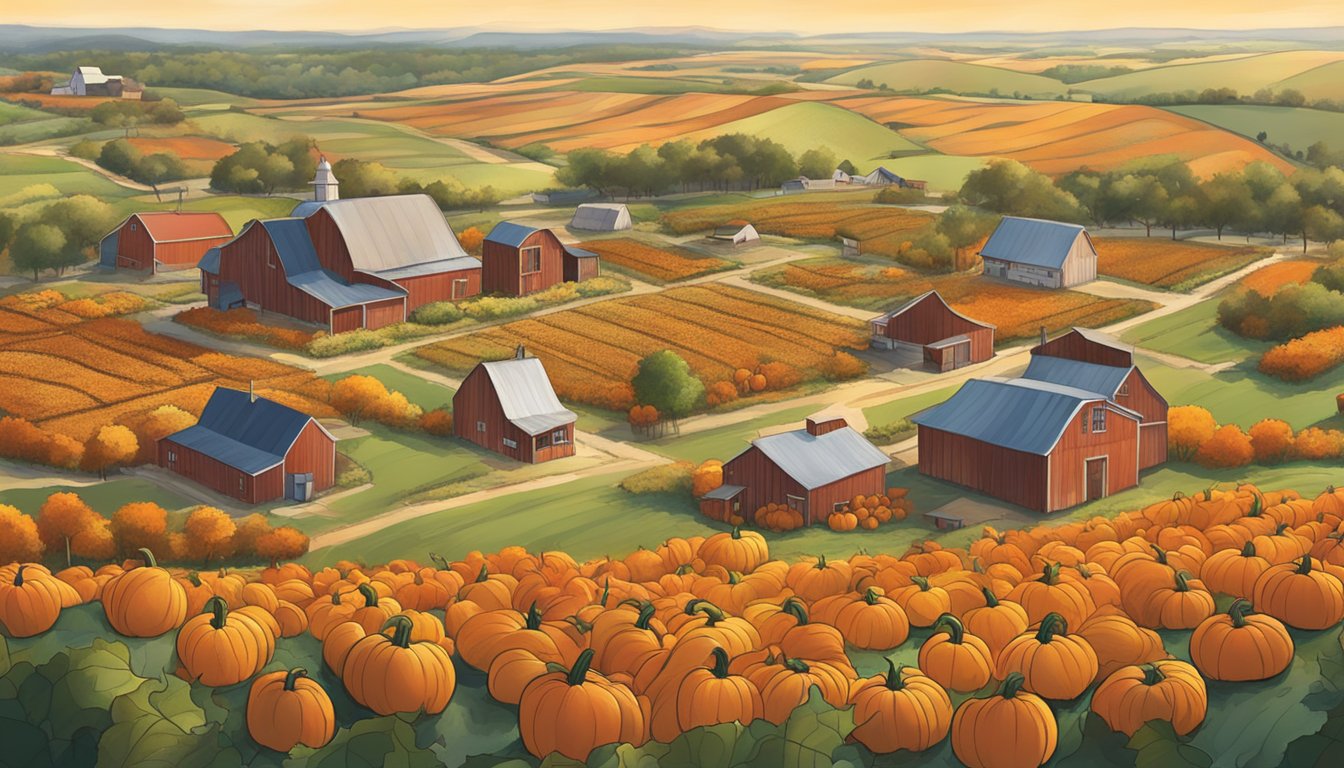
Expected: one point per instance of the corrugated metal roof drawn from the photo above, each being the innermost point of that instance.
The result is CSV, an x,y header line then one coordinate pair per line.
x,y
817,460
1021,414
431,268
330,289
1102,379
724,492
293,245
392,232
580,253
210,261
601,216
252,436
526,395
881,175
510,234
1036,242
1105,339
170,226
305,209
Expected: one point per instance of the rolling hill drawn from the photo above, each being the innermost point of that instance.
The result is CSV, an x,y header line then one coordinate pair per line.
x,y
1246,75
1299,128
809,125
955,76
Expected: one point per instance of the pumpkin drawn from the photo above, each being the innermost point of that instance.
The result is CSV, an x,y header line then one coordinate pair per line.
x,y
82,579
1054,664
327,612
376,609
787,685
291,618
922,603
338,642
573,711
393,674
872,622
620,636
1300,595
425,594
261,595
955,660
486,635
1049,594
981,728
741,551
996,623
1239,646
1102,587
1182,604
1233,571
1119,642
30,604
511,671
286,709
813,580
220,647
145,601
1167,690
903,709
711,696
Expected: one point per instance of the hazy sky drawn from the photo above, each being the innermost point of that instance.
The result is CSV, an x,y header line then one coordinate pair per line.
x,y
736,15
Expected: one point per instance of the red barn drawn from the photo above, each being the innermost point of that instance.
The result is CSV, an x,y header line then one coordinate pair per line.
x,y
1096,362
1036,444
344,264
517,260
253,449
814,470
945,338
162,240
509,407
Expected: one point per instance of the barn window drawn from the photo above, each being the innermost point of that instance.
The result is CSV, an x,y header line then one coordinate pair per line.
x,y
172,456
1099,419
839,505
559,437
795,503
241,485
543,441
459,289
510,443
480,426
530,260
1124,390
135,227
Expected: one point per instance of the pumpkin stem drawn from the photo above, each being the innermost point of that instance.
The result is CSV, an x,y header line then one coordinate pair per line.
x,y
692,605
821,563
194,578
872,594
1152,675
579,672
1177,496
720,668
684,569
734,577
797,610
439,560
18,576
646,612
1011,685
533,619
922,582
219,608
1304,567
713,613
369,593
1049,573
148,557
1052,624
797,665
1083,570
737,532
1248,549
1161,554
1238,611
293,676
1280,528
952,625
606,593
991,600
1182,577
894,681
484,573
401,630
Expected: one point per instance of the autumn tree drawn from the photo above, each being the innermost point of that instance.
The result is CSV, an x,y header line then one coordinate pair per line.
x,y
706,477
111,446
95,541
471,239
140,524
643,418
1272,440
1315,444
1189,426
247,531
19,539
210,533
283,543
437,422
160,423
62,517
359,396
1227,447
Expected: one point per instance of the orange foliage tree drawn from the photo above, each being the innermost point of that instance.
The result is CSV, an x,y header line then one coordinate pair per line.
x,y
21,440
438,421
283,543
364,397
1227,447
248,531
643,418
721,392
706,477
95,542
209,534
62,518
158,424
140,524
1314,443
1272,440
470,239
111,446
1189,427
19,539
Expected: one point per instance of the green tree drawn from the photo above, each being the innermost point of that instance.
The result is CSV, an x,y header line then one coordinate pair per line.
x,y
118,156
1009,187
1321,224
664,380
362,179
1227,202
964,227
817,163
37,247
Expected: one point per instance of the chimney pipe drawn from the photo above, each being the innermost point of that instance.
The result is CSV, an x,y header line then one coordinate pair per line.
x,y
251,390
519,353
1044,336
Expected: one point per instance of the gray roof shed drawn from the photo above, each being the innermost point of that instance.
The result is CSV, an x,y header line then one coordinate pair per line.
x,y
817,460
526,395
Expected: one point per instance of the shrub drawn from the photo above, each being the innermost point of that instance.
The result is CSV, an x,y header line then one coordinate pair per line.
x,y
324,345
602,285
886,434
667,478
706,477
497,307
1272,440
437,422
353,476
242,323
365,397
1227,447
1305,358
1189,427
720,392
437,313
471,239
23,441
140,524
1314,443
843,366
209,533
780,375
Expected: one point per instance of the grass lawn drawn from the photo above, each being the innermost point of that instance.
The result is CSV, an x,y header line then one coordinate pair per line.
x,y
422,392
104,498
25,178
1194,333
896,410
724,442
1298,127
813,125
1243,396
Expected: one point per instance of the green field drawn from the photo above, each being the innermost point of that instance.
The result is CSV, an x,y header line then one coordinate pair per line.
x,y
26,178
942,172
1299,128
954,76
649,85
104,498
811,125
1246,75
15,113
1195,333
203,98
903,408
422,392
1241,395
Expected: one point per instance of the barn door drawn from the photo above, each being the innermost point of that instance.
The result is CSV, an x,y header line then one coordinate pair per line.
x,y
961,355
1096,478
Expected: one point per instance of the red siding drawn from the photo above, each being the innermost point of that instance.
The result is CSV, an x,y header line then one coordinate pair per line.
x,y
332,252
501,265
577,270
1073,346
475,405
1139,395
1152,445
186,253
1014,476
384,313
135,248
426,289
764,483
348,319
250,261
313,452
1119,444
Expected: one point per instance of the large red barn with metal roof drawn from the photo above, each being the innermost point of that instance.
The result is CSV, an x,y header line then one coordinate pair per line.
x,y
162,240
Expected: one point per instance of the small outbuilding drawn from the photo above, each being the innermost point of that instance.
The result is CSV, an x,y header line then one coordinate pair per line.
x,y
162,240
815,471
1049,254
944,338
517,260
581,264
253,449
601,217
510,407
736,233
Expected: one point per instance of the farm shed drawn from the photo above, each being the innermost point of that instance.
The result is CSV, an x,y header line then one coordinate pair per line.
x,y
253,449
509,407
1039,445
945,338
737,233
1093,361
162,240
804,184
881,177
814,470
601,217
91,81
517,260
1050,254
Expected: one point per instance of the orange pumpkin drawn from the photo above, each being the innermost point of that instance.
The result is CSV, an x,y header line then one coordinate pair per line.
x,y
376,609
1301,595
1054,664
1182,604
872,622
574,711
955,660
393,674
1239,646
996,623
903,709
291,618
1167,690
511,671
741,551
979,725
29,604
145,601
1234,572
711,696
220,647
922,602
338,642
286,709
1049,594
814,579
1119,642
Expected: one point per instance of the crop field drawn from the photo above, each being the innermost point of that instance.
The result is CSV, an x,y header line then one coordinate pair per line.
x,y
957,76
880,229
1163,263
1018,311
26,178
69,370
592,352
1269,279
663,265
1296,127
1315,73
799,127
185,147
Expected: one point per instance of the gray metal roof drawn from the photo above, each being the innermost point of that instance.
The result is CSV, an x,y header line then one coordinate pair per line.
x,y
580,253
1036,242
294,245
252,436
601,216
724,492
1105,339
526,395
210,261
510,234
881,175
1022,414
391,233
951,341
1105,380
817,460
432,268
305,209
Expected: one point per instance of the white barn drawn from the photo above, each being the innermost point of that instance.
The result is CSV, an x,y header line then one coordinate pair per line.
x,y
738,233
91,81
601,217
1050,254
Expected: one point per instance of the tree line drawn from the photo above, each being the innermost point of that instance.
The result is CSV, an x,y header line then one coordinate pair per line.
x,y
735,161
122,157
57,236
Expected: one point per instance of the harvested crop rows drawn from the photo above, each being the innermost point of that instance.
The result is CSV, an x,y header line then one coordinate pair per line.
x,y
1268,280
592,352
661,264
880,229
1162,263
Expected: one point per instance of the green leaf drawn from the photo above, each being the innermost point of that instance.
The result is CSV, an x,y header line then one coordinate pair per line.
x,y
1158,746
158,726
711,746
814,731
5,662
84,684
1321,748
473,724
1098,746
25,744
372,743
626,756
